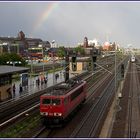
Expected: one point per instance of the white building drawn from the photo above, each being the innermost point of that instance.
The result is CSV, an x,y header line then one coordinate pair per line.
x,y
94,42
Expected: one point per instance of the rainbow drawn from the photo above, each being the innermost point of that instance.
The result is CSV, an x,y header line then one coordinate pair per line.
x,y
44,16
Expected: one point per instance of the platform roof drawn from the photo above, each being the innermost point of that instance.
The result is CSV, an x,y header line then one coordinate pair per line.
x,y
4,69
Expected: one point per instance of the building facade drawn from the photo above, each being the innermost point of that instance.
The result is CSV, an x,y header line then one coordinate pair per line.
x,y
21,44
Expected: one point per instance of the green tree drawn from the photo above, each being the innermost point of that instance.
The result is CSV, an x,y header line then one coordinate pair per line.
x,y
13,57
79,50
61,52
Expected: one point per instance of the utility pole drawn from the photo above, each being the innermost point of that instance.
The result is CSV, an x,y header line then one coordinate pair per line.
x,y
66,65
74,62
93,58
115,69
43,58
52,56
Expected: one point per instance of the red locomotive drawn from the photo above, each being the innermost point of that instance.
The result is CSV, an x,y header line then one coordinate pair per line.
x,y
58,103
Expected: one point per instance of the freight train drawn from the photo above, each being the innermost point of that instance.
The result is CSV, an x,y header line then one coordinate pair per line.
x,y
61,101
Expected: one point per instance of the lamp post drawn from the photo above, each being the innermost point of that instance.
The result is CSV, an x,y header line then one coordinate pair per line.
x,y
43,59
41,46
116,80
53,61
31,67
115,69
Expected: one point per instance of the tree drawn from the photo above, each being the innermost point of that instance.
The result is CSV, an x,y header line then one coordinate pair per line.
x,y
79,50
61,52
11,57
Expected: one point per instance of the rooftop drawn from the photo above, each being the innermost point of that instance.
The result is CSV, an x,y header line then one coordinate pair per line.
x,y
63,88
4,69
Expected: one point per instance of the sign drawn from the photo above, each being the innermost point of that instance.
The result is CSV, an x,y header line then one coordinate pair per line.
x,y
24,79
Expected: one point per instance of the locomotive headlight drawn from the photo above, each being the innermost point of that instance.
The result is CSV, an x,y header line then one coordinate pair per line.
x,y
60,114
44,113
57,114
41,113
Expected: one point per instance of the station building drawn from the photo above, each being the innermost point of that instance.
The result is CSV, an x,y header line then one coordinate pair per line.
x,y
6,73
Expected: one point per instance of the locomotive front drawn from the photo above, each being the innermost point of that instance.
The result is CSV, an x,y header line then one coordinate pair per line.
x,y
51,109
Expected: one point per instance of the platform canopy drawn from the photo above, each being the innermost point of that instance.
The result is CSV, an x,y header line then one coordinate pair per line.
x,y
4,69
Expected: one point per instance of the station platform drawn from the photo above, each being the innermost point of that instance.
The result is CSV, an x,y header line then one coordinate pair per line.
x,y
33,87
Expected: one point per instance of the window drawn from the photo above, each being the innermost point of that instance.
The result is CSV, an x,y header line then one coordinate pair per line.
x,y
51,101
55,101
46,101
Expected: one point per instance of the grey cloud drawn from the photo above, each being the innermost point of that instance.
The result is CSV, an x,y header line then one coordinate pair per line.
x,y
70,22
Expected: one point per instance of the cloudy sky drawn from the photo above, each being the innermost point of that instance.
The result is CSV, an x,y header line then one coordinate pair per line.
x,y
69,22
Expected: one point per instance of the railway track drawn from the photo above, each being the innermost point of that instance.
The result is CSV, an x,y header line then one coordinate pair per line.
x,y
127,119
89,76
130,106
51,132
133,104
47,130
90,125
87,128
42,129
26,103
22,107
92,100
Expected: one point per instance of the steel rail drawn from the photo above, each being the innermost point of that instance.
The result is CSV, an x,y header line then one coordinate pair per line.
x,y
79,131
130,106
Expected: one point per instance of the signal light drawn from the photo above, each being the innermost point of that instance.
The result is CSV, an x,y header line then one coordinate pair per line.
x,y
74,63
122,70
89,64
94,58
66,65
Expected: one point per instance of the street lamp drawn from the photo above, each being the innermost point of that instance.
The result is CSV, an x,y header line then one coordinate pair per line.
x,y
118,95
13,62
115,68
53,60
41,46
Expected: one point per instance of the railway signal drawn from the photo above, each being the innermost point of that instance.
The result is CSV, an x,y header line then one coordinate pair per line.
x,y
89,64
94,58
66,65
122,70
74,63
93,54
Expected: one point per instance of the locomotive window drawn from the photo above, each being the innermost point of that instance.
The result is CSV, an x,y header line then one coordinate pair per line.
x,y
56,101
46,101
51,101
